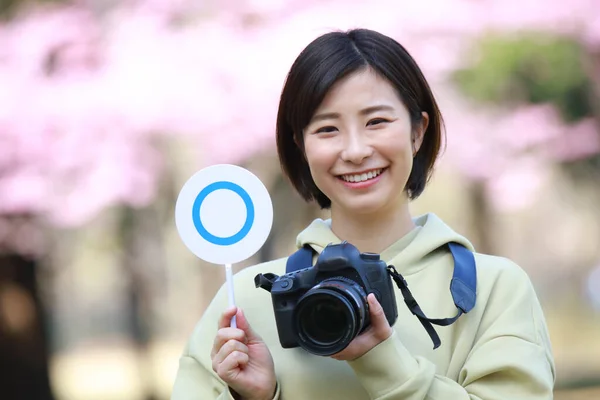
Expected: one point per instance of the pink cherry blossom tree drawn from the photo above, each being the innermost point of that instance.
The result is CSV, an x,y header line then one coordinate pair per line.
x,y
101,89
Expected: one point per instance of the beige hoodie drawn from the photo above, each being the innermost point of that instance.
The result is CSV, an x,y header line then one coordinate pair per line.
x,y
498,351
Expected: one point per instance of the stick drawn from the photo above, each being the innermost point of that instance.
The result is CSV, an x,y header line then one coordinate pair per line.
x,y
229,280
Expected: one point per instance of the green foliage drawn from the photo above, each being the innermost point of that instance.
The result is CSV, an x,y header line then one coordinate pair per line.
x,y
8,8
585,169
530,68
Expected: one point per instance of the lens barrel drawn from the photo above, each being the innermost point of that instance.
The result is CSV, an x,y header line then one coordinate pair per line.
x,y
330,315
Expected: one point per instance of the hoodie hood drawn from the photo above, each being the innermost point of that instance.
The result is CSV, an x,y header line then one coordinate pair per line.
x,y
408,254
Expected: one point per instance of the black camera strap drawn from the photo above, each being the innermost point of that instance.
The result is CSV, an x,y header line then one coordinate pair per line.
x,y
463,285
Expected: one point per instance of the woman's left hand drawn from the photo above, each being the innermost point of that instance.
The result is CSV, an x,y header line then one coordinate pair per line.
x,y
379,331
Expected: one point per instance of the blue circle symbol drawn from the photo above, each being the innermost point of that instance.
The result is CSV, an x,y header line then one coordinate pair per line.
x,y
223,241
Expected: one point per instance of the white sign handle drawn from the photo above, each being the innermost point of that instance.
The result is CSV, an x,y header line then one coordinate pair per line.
x,y
230,291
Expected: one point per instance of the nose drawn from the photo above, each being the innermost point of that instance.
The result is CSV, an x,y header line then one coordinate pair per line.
x,y
356,149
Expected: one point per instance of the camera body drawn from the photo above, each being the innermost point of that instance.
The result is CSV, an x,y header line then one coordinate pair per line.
x,y
323,307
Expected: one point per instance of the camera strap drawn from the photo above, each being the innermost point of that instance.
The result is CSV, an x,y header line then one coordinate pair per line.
x,y
463,285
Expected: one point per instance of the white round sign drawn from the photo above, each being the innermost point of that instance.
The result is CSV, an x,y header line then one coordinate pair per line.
x,y
224,214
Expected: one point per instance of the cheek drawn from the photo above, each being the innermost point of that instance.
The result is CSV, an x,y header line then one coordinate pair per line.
x,y
396,146
318,155
320,159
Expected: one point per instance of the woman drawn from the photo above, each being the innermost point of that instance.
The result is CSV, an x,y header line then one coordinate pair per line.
x,y
358,131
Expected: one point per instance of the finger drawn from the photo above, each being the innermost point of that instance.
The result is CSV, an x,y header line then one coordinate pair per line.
x,y
228,348
379,322
225,320
230,367
226,334
352,351
243,324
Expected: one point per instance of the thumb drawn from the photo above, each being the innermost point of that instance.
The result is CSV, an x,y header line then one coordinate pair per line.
x,y
378,320
243,324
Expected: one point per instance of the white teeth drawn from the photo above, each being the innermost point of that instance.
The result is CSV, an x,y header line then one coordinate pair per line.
x,y
362,177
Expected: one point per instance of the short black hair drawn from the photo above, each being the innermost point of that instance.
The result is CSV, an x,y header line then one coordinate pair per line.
x,y
325,61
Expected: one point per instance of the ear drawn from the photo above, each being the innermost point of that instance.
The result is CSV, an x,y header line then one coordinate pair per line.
x,y
418,133
298,141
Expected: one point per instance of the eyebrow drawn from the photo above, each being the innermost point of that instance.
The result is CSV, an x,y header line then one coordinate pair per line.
x,y
365,111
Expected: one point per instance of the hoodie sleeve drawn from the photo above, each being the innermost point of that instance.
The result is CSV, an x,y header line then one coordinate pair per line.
x,y
195,382
510,359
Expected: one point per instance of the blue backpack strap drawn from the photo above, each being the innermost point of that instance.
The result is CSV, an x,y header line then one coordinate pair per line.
x,y
464,279
463,288
300,259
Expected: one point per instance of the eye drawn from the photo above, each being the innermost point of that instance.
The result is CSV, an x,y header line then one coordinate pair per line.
x,y
377,121
326,129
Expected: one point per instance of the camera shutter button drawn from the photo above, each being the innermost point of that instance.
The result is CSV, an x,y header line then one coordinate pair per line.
x,y
285,284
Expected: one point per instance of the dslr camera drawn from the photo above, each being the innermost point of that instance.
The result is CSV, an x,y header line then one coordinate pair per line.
x,y
322,308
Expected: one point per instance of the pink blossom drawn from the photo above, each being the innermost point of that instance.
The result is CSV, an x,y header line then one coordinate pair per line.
x,y
87,94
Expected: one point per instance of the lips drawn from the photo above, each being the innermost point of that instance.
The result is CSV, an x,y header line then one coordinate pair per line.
x,y
362,177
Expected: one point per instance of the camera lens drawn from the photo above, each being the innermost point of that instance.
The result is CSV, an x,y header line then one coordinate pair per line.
x,y
330,315
326,318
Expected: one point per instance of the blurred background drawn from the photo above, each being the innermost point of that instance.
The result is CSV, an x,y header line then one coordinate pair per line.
x,y
108,106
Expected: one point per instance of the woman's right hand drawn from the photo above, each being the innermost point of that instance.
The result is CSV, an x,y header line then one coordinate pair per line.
x,y
242,360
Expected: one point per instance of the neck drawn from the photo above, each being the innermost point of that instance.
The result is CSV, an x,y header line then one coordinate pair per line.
x,y
372,233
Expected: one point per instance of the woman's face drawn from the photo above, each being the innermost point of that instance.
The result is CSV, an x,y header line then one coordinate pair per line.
x,y
359,145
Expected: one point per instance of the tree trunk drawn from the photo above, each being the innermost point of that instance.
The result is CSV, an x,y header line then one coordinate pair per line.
x,y
481,218
24,372
143,265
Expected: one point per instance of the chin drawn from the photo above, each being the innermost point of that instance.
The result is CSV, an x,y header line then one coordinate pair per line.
x,y
362,208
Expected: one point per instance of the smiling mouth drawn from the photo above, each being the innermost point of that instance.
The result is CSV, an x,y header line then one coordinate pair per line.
x,y
355,178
